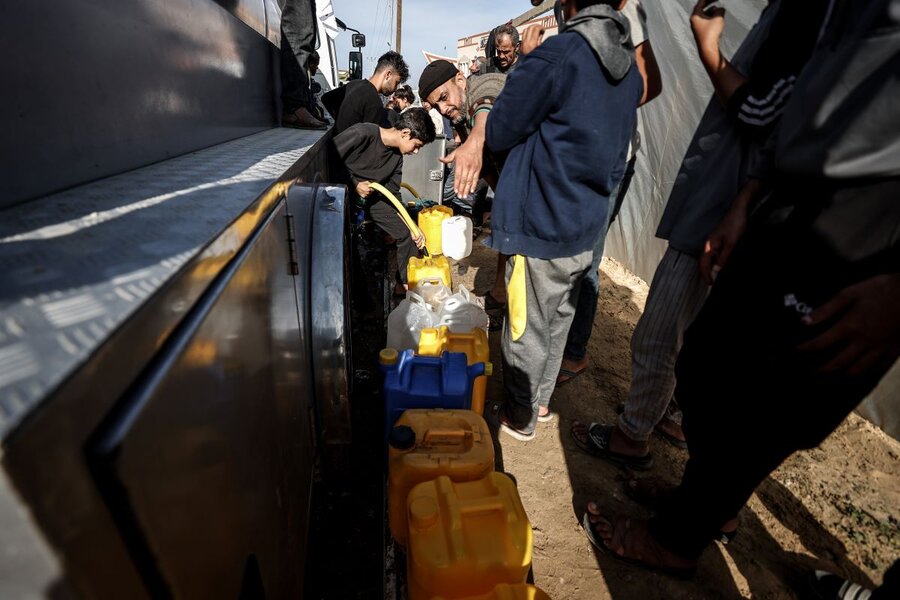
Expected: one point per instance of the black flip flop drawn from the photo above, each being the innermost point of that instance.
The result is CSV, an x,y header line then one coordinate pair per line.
x,y
570,374
598,445
678,443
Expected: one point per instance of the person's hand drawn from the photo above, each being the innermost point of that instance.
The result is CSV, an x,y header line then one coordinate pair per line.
x,y
531,38
468,167
419,240
721,243
363,189
729,231
864,330
708,25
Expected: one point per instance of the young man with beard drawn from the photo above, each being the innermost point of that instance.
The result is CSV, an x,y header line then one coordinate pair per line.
x,y
362,99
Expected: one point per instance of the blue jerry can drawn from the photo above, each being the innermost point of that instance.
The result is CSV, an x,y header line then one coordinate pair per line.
x,y
412,381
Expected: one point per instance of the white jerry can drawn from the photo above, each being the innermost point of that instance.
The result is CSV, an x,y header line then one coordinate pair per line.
x,y
456,237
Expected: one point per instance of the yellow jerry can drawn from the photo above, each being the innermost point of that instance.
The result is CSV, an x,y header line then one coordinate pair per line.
x,y
428,269
466,538
505,591
430,220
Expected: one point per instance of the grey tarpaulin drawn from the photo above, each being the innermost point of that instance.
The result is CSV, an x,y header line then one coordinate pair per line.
x,y
666,126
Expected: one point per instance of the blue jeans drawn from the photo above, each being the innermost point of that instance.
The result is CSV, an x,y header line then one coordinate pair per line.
x,y
586,309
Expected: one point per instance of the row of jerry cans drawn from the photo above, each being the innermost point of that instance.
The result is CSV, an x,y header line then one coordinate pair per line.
x,y
463,525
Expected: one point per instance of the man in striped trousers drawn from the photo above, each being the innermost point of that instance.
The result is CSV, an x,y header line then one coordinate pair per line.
x,y
720,177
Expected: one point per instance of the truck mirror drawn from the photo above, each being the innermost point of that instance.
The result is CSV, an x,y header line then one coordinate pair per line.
x,y
356,69
359,40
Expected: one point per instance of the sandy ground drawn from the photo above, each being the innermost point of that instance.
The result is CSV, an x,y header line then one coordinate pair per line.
x,y
835,507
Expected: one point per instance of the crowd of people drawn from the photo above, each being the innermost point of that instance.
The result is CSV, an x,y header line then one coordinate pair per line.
x,y
779,288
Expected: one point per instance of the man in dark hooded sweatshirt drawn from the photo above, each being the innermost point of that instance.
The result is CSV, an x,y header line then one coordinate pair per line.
x,y
565,117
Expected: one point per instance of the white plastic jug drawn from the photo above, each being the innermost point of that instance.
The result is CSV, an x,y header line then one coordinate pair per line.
x,y
434,292
456,237
407,321
460,314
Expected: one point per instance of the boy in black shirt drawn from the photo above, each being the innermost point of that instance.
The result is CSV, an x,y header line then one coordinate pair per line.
x,y
373,153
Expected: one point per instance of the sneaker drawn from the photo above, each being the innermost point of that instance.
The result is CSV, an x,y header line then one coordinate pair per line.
x,y
520,434
823,585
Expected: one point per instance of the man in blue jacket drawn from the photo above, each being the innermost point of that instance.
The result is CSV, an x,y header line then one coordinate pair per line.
x,y
565,116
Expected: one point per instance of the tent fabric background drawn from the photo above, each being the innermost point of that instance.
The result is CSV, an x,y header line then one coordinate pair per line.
x,y
666,126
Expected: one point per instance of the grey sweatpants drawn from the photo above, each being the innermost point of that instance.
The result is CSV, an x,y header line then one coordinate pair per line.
x,y
531,363
677,294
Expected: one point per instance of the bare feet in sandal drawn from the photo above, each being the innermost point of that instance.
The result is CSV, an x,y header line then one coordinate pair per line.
x,y
630,540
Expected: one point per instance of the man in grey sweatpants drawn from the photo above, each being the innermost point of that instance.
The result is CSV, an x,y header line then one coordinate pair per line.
x,y
552,288
553,196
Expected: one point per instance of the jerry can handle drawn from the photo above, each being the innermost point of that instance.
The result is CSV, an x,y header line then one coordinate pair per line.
x,y
444,436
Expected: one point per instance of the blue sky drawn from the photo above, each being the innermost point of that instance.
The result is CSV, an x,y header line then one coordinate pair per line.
x,y
432,25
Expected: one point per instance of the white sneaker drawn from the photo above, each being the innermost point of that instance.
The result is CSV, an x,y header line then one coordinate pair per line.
x,y
518,434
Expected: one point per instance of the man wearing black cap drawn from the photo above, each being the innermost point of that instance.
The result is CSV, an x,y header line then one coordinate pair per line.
x,y
466,102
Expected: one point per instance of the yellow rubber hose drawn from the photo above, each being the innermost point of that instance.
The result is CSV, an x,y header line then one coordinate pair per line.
x,y
411,189
407,220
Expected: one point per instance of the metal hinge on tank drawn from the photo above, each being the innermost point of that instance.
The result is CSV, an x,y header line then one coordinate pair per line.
x,y
293,263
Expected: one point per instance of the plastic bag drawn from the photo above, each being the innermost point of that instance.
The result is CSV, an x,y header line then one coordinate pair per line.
x,y
461,314
407,321
434,292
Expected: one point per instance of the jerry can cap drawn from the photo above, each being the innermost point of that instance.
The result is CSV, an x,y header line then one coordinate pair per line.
x,y
423,512
402,437
388,356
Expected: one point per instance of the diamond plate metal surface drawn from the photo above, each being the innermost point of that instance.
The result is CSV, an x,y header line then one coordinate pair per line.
x,y
75,265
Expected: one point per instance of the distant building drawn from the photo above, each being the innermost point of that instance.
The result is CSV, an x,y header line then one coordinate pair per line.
x,y
468,48
431,57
